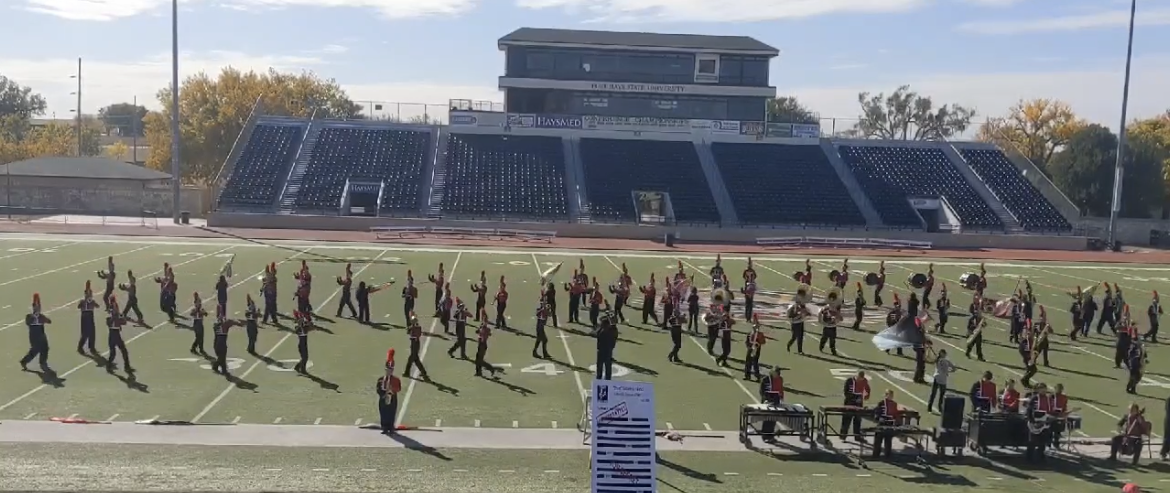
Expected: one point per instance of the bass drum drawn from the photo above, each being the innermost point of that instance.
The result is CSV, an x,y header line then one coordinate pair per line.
x,y
969,281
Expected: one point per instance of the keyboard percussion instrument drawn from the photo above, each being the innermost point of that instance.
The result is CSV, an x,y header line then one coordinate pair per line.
x,y
794,420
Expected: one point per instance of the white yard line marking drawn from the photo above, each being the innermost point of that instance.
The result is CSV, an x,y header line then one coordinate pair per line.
x,y
775,474
111,418
357,422
515,424
731,474
820,475
30,415
552,471
236,420
426,345
317,421
227,390
70,266
273,469
459,470
669,426
564,337
554,424
707,426
277,420
128,341
507,471
477,423
414,470
321,469
369,470
438,423
51,249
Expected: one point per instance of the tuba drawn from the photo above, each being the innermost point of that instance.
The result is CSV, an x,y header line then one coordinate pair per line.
x,y
720,296
916,281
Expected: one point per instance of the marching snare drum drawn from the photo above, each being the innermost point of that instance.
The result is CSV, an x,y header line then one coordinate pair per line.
x,y
1073,422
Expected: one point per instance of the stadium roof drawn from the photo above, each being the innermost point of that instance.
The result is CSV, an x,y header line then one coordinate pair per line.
x,y
532,35
82,167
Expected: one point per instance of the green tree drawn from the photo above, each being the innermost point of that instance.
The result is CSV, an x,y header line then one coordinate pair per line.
x,y
1156,131
1036,128
1084,170
786,109
213,111
906,115
18,104
123,118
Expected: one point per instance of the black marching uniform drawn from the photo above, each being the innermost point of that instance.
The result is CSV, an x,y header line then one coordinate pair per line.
x,y
974,323
415,358
1078,320
220,344
714,319
550,299
131,290
304,323
484,333
1154,312
197,314
346,284
88,324
251,325
943,306
828,330
675,325
115,321
886,413
362,295
607,336
460,344
858,309
38,341
725,340
855,392
693,311
1134,361
542,314
1108,313
796,319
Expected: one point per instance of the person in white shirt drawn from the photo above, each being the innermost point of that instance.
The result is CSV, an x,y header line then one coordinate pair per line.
x,y
938,387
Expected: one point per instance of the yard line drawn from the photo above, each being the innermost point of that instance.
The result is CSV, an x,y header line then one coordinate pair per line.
x,y
317,421
30,415
477,423
40,250
554,424
357,422
277,420
707,426
515,424
130,340
236,420
399,419
273,349
565,341
438,423
59,269
76,300
111,418
669,426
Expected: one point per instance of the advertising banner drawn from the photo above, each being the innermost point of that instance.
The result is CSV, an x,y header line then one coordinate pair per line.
x,y
751,128
782,130
725,127
803,130
557,121
522,121
636,124
476,119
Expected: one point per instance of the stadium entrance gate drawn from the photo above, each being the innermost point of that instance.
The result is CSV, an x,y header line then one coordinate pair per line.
x,y
361,198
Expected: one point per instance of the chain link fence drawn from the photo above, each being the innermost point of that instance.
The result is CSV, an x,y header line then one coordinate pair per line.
x,y
405,112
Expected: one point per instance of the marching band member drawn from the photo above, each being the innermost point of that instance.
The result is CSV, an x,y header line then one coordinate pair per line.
x,y
1108,312
221,291
983,394
414,331
981,284
304,288
749,297
920,352
439,280
88,323
669,303
268,292
115,321
829,318
109,276
716,272
943,307
168,292
796,314
674,323
596,299
1135,362
220,344
387,388
501,302
444,313
772,393
887,415
856,393
928,287
755,342
38,341
680,275
1089,311
362,295
346,284
1028,354
1018,319
649,298
1119,303
251,327
460,316
1009,402
1125,337
1059,411
1028,298
693,310
550,299
131,289
582,279
1153,312
482,336
1039,407
714,319
409,294
1133,428
894,316
1077,312
943,368
480,291
881,283
725,339
575,288
806,278
858,308
975,325
304,324
197,313
842,276
1043,330
621,294
749,274
607,337
542,313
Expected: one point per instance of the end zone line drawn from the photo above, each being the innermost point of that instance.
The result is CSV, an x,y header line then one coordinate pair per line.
x,y
274,347
59,269
564,337
128,341
398,419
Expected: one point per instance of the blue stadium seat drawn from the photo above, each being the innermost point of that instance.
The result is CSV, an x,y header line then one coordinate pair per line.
x,y
394,156
1020,197
616,167
501,175
777,184
261,167
890,174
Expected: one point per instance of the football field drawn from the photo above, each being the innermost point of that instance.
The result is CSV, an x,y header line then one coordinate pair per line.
x,y
347,357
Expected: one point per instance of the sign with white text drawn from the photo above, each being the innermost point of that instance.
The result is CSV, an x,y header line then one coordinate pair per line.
x,y
623,440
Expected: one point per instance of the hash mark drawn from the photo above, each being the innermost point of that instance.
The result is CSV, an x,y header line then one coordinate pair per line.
x,y
111,418
669,426
277,420
277,469
358,422
552,471
507,470
477,423
317,421
775,474
459,470
414,470
30,415
438,423
995,478
820,475
731,474
863,475
236,420
554,424
321,469
515,424
707,426
369,470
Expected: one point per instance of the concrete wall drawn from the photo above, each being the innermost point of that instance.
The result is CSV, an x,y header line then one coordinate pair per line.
x,y
1132,232
91,196
630,231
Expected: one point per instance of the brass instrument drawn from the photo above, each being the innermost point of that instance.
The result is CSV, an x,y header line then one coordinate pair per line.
x,y
978,330
720,296
916,281
1038,343
798,276
833,275
388,386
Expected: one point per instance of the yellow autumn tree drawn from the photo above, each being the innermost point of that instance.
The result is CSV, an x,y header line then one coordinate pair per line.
x,y
213,111
1036,128
52,140
1156,131
118,151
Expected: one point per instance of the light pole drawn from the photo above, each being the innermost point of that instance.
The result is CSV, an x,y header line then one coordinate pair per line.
x,y
176,174
1119,166
77,111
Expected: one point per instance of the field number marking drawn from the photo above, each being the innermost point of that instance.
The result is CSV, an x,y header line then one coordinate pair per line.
x,y
237,363
618,370
1150,382
27,250
843,373
545,368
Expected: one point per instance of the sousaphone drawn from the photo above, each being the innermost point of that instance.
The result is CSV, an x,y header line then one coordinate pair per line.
x,y
720,296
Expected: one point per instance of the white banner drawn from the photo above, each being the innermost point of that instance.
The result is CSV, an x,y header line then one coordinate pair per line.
x,y
623,442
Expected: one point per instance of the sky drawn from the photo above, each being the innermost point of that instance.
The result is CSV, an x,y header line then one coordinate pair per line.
x,y
983,54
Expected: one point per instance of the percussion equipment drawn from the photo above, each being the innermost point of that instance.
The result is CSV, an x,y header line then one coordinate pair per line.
x,y
969,281
917,281
871,279
794,420
1073,422
998,429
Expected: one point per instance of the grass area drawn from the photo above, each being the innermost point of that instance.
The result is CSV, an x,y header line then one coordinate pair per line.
x,y
190,468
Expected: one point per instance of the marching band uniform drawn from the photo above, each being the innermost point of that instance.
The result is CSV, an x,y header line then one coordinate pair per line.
x,y
197,313
484,333
1027,345
607,336
981,284
894,317
693,310
220,344
928,286
755,342
675,324
304,287
550,299
439,282
115,321
1108,312
772,393
1059,408
38,341
881,283
387,388
858,308
131,289
583,280
716,318
1042,343
943,307
460,315
1018,318
887,415
806,278
1134,363
109,276
221,293
346,284
856,392
842,275
362,295
304,323
974,323
409,294
542,313
445,304
168,292
1125,337
749,274
749,298
269,292
796,320
983,394
621,294
716,272
575,289
1039,406
1089,311
725,339
668,305
1133,426
829,329
1009,402
251,327
414,331
595,301
480,291
501,302
920,353
88,323
1153,312
1028,299
1078,320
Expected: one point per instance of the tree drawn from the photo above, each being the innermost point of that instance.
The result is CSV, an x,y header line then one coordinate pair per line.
x,y
906,115
18,104
118,151
54,139
123,118
213,112
1156,131
786,109
1084,170
1036,128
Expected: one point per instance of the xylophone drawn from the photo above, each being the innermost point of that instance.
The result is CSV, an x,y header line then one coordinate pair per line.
x,y
906,427
793,420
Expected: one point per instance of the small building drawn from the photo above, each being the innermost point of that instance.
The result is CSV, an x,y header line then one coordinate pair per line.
x,y
87,185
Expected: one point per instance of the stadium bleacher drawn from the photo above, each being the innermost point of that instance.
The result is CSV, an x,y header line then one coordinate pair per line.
x,y
890,174
778,184
501,175
396,157
1020,197
616,167
261,167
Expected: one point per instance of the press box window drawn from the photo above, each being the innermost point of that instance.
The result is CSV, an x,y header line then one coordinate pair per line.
x,y
707,68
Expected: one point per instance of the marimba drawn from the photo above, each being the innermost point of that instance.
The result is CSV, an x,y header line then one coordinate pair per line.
x,y
788,420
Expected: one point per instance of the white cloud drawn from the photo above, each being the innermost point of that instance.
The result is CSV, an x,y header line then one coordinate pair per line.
x,y
106,82
1095,20
107,10
725,11
1095,94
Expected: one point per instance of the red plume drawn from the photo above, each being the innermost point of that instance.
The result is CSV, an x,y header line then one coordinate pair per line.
x,y
390,357
304,265
87,288
196,294
36,298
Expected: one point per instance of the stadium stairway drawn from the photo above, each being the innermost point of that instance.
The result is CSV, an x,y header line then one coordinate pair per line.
x,y
1032,173
723,202
575,181
1010,223
433,206
872,219
288,196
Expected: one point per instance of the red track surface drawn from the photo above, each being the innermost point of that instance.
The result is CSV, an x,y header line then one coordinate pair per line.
x,y
1137,257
